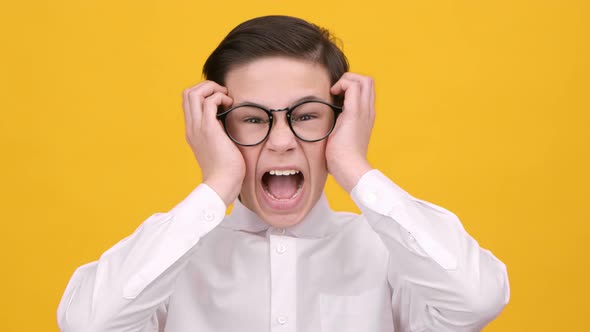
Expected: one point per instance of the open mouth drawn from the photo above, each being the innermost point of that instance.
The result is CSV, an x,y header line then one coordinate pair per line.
x,y
282,185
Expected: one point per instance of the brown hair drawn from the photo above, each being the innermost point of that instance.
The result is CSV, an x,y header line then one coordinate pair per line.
x,y
275,36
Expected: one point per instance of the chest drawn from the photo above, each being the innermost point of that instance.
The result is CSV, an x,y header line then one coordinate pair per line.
x,y
243,282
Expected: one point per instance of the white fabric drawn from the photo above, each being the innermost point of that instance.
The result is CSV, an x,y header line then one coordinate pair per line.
x,y
403,265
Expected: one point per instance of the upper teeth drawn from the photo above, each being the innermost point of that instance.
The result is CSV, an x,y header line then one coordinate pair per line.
x,y
283,172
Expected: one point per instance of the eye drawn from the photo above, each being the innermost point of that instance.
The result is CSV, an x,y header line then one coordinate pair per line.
x,y
304,117
255,120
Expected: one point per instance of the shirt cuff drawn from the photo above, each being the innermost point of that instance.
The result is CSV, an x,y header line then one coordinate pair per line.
x,y
200,211
376,193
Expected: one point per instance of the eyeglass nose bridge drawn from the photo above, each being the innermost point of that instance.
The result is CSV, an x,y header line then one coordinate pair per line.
x,y
286,109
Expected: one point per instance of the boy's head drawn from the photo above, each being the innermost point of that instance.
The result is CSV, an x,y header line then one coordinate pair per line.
x,y
275,62
275,36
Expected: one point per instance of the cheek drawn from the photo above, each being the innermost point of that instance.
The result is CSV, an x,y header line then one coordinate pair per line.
x,y
250,156
316,155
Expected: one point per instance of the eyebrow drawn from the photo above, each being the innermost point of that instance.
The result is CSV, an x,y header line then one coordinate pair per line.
x,y
302,99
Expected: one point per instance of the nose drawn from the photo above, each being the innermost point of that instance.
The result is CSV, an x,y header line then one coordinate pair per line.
x,y
281,138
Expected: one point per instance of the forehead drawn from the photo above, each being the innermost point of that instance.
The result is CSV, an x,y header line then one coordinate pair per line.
x,y
277,82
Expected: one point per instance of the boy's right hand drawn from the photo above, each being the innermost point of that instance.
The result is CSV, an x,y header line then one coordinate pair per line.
x,y
222,164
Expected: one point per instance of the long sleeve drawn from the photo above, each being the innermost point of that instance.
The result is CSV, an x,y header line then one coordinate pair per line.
x,y
127,288
441,279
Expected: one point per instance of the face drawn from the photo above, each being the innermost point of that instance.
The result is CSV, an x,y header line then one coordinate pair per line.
x,y
281,200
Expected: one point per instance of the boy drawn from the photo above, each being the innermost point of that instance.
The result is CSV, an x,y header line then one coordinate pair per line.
x,y
278,112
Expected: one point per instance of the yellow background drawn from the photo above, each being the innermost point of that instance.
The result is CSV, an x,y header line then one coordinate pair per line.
x,y
482,108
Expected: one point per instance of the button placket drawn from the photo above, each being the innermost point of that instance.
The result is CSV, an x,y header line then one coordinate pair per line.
x,y
283,283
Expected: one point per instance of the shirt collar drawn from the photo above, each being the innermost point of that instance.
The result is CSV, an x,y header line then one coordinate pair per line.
x,y
318,223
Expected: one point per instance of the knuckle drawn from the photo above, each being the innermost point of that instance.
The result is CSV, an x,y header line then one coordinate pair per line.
x,y
195,96
192,93
214,98
217,95
208,82
208,101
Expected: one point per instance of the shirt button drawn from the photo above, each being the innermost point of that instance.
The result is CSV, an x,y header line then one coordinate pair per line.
x,y
370,198
282,319
208,215
277,231
281,248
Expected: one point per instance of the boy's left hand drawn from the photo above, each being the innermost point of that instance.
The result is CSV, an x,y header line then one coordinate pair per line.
x,y
346,150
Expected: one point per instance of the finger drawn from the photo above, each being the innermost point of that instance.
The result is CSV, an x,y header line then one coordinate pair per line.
x,y
207,88
211,105
192,100
351,91
188,121
337,89
204,89
373,100
373,95
367,89
195,108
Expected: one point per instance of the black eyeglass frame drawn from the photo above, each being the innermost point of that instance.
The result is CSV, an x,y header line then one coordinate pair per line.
x,y
337,110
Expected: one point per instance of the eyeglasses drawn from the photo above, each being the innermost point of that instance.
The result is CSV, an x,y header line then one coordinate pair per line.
x,y
250,124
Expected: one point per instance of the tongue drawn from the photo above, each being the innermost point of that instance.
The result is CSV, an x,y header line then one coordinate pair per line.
x,y
282,187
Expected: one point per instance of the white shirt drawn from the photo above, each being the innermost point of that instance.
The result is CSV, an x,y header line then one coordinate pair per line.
x,y
403,265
